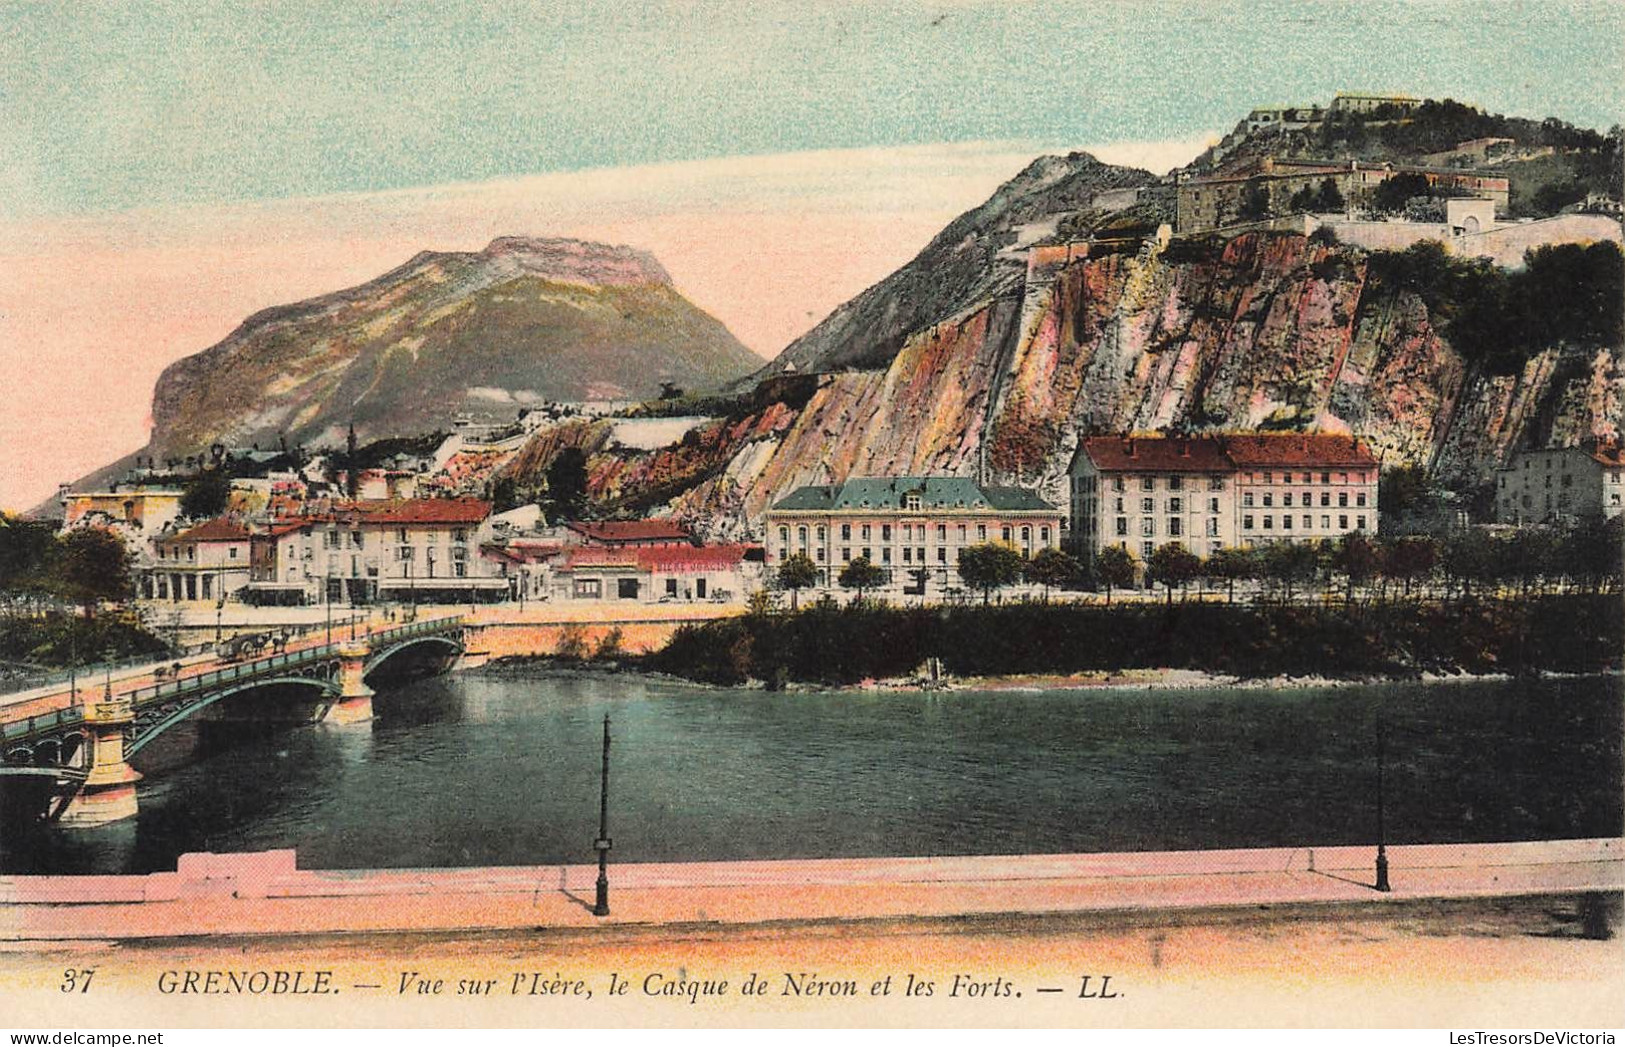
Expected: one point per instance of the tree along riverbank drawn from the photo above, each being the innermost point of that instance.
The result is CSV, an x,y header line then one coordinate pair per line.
x,y
1572,633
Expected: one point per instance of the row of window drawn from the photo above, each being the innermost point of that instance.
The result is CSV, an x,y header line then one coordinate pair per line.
x,y
1567,480
1306,477
1172,483
865,533
1308,522
629,588
173,552
1174,526
1308,499
407,552
1614,475
333,539
1216,483
1149,505
911,554
1563,501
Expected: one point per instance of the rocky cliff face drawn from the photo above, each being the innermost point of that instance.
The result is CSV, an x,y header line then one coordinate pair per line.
x,y
977,257
1264,332
446,333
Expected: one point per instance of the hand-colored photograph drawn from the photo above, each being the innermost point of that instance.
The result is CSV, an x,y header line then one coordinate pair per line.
x,y
933,513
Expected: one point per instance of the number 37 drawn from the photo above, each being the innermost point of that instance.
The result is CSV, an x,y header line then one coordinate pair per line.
x,y
77,979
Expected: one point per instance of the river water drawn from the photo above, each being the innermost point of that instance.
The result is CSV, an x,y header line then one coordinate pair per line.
x,y
495,768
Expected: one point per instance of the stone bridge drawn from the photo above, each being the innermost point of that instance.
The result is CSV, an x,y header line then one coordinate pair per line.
x,y
80,751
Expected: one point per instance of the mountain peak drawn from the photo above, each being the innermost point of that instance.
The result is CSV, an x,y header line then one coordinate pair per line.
x,y
444,334
578,261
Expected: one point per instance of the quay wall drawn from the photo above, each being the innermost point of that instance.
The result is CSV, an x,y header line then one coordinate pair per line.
x,y
266,893
510,633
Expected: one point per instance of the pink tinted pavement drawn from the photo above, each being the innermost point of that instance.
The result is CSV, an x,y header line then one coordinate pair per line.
x,y
265,893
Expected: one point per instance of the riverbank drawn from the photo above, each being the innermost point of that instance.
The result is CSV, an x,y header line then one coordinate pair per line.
x,y
548,666
1179,679
1573,633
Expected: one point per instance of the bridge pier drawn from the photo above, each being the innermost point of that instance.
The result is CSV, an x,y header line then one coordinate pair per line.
x,y
354,703
108,792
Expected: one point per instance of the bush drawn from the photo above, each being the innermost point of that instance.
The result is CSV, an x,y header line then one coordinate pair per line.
x,y
1499,318
609,647
1324,236
572,643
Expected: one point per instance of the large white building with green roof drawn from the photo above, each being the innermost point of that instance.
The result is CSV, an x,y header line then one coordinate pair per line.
x,y
910,526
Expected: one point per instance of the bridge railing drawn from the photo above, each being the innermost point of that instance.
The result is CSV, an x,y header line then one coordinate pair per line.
x,y
42,722
238,671
287,660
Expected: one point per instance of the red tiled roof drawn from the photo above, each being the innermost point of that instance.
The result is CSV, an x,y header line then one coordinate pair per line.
x,y
1157,454
1219,454
220,529
529,552
631,530
1297,449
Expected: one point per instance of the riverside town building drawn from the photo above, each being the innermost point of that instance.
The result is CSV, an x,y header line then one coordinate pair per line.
x,y
1209,492
911,527
206,562
417,549
1561,485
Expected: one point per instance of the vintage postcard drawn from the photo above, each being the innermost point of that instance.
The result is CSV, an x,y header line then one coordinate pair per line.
x,y
927,513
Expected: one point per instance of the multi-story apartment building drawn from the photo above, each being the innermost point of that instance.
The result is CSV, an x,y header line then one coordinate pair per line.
x,y
1561,484
912,527
1210,492
1302,487
1141,493
421,549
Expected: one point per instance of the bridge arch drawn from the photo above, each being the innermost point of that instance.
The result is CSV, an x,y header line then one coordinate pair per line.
x,y
46,750
146,734
452,644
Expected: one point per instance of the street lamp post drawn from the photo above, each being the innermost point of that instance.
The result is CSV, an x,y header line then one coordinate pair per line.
x,y
1382,829
219,598
602,844
327,594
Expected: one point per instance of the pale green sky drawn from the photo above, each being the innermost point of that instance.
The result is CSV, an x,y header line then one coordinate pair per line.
x,y
113,106
169,167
